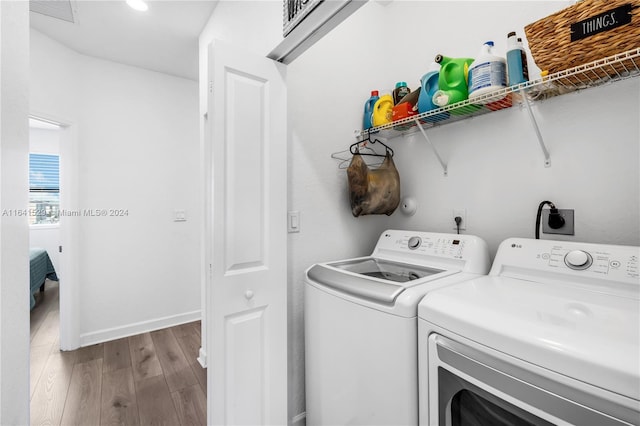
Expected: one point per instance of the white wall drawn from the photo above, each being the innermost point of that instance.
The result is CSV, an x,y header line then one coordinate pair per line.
x,y
496,169
137,142
45,141
48,238
14,231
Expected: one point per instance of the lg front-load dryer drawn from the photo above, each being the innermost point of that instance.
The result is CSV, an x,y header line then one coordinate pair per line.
x,y
361,325
550,337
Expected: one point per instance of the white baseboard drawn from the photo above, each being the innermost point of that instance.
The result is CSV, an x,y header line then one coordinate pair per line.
x,y
299,420
202,358
109,334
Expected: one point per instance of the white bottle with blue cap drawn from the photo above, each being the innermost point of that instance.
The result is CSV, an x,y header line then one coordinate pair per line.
x,y
487,74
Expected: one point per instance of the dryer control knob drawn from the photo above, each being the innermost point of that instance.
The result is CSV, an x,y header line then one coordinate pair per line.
x,y
578,259
414,242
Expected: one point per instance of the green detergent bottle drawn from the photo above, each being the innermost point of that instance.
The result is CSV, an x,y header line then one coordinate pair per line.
x,y
453,83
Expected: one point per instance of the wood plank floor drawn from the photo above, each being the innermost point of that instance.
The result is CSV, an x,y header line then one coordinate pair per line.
x,y
148,379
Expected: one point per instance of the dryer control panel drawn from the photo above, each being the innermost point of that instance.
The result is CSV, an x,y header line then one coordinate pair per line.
x,y
605,262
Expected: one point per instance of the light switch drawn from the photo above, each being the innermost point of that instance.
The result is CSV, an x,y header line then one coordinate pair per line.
x,y
179,215
293,221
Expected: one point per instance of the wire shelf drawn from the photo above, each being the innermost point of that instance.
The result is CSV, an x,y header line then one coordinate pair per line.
x,y
613,68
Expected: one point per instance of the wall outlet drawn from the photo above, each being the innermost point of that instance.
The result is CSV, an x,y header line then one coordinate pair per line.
x,y
179,215
567,229
463,214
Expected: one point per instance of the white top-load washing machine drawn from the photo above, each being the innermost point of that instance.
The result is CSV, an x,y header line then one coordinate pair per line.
x,y
361,325
550,336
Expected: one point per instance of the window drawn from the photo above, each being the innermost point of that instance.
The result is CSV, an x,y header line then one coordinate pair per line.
x,y
44,189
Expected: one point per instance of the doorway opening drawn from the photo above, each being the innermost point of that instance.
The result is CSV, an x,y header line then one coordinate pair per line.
x,y
43,213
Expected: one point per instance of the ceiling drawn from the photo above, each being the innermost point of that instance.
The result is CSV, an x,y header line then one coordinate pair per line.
x,y
163,39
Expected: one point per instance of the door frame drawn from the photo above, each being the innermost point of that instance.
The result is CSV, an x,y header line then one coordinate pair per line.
x,y
69,227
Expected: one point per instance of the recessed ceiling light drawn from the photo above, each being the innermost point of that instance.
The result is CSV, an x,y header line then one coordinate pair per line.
x,y
138,5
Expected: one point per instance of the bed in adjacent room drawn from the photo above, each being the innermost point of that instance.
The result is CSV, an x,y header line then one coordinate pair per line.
x,y
40,268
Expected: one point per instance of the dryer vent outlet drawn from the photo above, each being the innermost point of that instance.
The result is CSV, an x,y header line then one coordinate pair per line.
x,y
567,229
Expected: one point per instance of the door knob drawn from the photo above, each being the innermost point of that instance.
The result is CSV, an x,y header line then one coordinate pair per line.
x,y
248,294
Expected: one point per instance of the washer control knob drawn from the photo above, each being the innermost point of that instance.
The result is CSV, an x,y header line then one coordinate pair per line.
x,y
578,259
414,242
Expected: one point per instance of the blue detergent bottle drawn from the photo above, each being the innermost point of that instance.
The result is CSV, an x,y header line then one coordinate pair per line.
x,y
368,110
429,86
516,61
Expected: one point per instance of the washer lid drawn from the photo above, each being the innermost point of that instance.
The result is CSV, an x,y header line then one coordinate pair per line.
x,y
371,278
587,335
386,269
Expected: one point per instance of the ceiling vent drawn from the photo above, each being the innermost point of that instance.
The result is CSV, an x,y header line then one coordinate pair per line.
x,y
59,9
306,21
294,12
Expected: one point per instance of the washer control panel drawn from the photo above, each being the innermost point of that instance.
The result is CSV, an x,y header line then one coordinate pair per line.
x,y
462,252
435,245
597,260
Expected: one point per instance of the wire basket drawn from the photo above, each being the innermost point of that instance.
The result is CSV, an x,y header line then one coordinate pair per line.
x,y
585,32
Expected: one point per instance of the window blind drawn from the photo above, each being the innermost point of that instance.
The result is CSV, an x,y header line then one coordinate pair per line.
x,y
44,173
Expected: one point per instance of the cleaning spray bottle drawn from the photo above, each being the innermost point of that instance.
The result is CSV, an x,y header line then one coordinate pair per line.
x,y
488,73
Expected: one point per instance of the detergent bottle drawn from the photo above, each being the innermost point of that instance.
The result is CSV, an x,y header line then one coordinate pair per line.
x,y
429,86
368,110
488,73
405,108
400,92
383,110
525,67
452,81
516,60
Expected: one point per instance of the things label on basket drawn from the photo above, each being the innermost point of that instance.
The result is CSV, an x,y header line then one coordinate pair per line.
x,y
608,20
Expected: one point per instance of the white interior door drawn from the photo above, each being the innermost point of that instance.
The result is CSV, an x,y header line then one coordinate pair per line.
x,y
246,307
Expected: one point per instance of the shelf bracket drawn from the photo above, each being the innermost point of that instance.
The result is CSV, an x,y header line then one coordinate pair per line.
x,y
534,123
433,147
